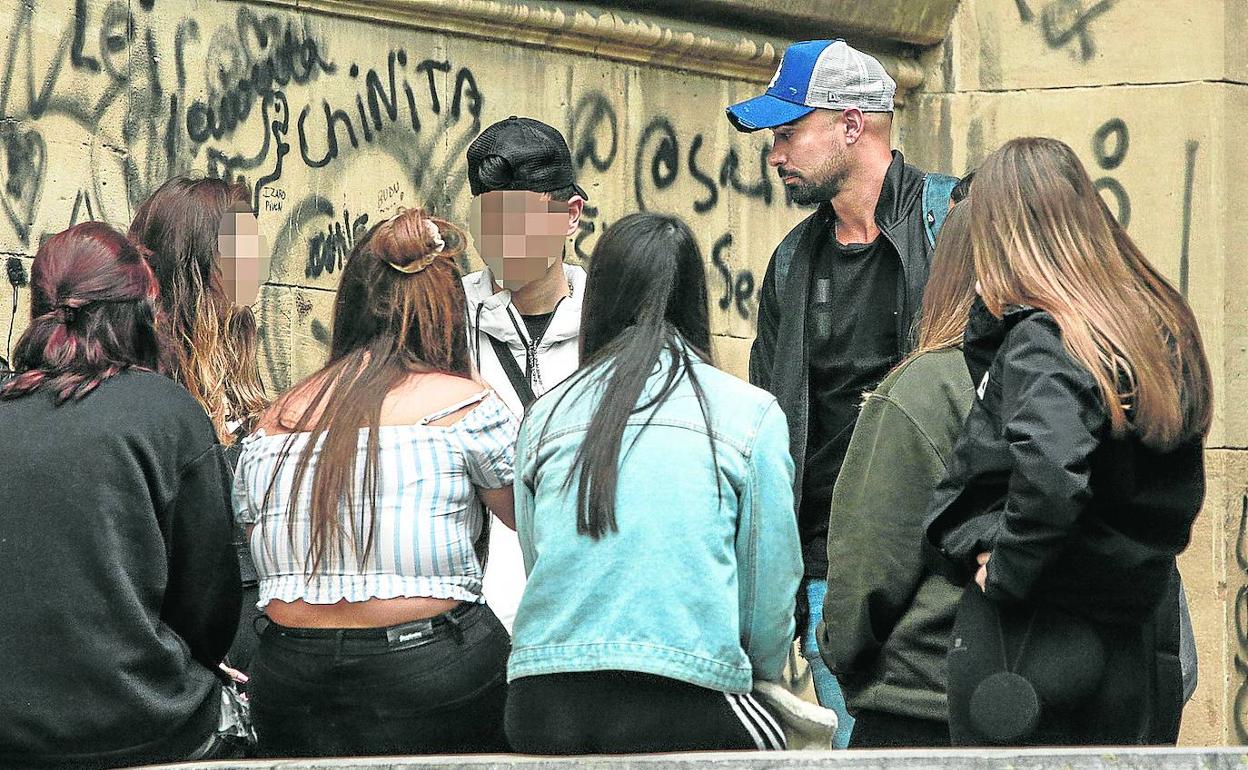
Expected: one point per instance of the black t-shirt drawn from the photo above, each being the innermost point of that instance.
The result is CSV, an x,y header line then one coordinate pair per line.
x,y
537,325
852,328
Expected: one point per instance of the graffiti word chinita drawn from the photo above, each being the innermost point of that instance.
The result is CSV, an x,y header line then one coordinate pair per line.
x,y
384,107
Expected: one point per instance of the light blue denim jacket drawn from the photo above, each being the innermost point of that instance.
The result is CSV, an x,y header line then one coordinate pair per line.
x,y
694,586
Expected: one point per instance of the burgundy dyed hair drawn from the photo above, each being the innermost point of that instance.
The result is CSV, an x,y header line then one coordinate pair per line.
x,y
93,315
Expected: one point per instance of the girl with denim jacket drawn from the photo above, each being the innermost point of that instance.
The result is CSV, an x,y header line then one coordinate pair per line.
x,y
654,508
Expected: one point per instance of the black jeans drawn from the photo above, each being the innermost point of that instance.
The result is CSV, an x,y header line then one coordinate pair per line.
x,y
625,712
882,730
427,687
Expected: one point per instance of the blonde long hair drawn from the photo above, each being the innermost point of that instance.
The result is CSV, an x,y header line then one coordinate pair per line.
x,y
1041,236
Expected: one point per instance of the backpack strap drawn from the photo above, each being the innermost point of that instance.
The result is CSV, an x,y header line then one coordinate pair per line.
x,y
936,190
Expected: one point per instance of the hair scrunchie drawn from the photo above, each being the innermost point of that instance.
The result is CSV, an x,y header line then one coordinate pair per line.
x,y
66,314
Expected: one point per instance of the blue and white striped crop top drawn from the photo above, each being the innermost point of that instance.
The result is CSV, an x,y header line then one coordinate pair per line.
x,y
427,515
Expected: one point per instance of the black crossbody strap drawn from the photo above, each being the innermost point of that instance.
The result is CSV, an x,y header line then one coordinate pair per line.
x,y
519,382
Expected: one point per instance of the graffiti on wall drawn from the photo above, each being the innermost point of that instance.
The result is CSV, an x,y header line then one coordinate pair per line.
x,y
331,134
1067,24
1111,143
241,121
125,97
676,171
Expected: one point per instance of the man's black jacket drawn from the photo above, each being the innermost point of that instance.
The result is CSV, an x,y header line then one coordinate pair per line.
x,y
780,355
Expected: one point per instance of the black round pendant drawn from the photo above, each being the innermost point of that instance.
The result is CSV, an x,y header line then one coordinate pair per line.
x,y
1004,708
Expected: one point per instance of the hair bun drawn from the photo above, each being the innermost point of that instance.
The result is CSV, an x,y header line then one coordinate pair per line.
x,y
411,266
412,240
66,314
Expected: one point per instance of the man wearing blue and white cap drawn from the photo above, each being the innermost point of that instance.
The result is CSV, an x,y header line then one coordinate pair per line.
x,y
841,293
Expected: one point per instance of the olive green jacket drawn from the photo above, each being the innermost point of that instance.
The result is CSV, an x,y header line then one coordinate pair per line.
x,y
887,618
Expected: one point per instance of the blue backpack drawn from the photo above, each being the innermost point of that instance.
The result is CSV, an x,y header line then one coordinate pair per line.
x,y
936,191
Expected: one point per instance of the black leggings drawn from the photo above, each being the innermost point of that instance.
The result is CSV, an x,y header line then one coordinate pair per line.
x,y
1094,681
625,712
428,687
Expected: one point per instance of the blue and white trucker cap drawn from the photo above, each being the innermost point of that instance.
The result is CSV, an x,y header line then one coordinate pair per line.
x,y
817,74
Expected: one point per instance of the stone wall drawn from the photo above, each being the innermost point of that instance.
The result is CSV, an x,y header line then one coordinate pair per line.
x,y
336,122
337,112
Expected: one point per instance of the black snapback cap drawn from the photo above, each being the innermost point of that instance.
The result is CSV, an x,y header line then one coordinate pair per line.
x,y
537,155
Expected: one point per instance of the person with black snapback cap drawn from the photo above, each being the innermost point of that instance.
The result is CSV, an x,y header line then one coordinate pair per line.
x,y
525,307
843,289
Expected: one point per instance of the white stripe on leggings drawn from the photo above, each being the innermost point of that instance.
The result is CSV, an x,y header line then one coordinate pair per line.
x,y
766,721
764,731
731,697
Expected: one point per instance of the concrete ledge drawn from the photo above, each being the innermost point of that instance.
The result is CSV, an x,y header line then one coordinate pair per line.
x,y
949,759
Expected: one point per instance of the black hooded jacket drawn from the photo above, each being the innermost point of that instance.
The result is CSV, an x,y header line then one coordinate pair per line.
x,y
1075,519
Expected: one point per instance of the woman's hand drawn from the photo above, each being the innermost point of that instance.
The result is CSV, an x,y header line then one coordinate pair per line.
x,y
236,676
981,576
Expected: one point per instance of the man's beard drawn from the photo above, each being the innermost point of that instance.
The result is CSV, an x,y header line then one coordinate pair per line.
x,y
805,194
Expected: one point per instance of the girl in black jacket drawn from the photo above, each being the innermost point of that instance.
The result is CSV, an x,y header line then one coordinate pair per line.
x,y
1080,470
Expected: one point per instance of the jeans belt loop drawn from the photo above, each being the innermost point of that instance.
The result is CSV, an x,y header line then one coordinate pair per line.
x,y
456,630
257,620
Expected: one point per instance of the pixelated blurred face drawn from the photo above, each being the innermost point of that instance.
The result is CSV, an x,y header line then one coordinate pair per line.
x,y
245,257
519,234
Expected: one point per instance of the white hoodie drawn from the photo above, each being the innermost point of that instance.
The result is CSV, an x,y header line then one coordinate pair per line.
x,y
557,354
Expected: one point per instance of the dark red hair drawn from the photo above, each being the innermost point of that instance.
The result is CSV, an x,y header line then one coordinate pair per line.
x,y
92,314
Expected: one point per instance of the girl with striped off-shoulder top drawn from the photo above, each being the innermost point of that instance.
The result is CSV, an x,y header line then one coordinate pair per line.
x,y
363,491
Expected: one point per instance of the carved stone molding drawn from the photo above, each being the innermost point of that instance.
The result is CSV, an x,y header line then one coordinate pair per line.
x,y
594,31
919,22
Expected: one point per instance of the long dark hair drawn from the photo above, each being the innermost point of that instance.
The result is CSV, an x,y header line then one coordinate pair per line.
x,y
400,309
645,294
212,352
92,315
